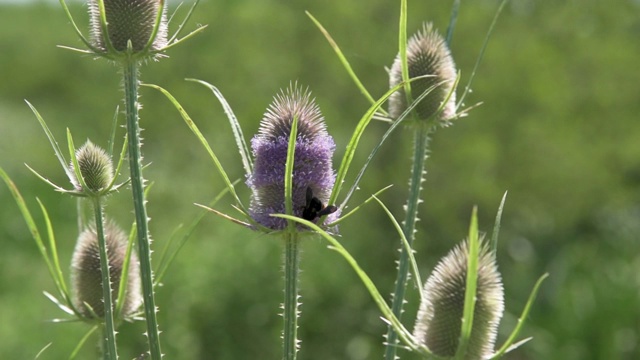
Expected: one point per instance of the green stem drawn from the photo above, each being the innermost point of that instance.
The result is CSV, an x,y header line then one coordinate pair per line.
x,y
290,315
421,142
109,350
137,186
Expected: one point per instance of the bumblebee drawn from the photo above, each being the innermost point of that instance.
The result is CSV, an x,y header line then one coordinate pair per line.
x,y
314,208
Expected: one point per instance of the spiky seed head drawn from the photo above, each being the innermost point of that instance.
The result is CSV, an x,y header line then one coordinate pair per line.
x,y
86,273
95,166
128,20
440,315
312,162
427,54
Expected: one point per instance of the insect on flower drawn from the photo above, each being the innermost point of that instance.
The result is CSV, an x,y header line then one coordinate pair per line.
x,y
314,208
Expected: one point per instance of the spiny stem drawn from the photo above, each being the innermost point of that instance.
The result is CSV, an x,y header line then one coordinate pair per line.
x,y
109,349
137,186
421,142
291,270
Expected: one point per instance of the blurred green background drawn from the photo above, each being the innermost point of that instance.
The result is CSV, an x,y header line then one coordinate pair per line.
x,y
558,128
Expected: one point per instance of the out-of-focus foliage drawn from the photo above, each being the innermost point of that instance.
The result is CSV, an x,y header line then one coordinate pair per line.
x,y
559,129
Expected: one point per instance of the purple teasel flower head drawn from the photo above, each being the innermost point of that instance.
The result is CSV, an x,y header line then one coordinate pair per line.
x,y
313,175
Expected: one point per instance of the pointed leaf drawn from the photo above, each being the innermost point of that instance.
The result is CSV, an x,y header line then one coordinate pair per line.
x,y
471,286
496,225
525,312
201,138
343,60
235,127
479,59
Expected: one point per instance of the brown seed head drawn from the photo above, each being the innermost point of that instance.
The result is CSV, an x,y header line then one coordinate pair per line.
x,y
439,319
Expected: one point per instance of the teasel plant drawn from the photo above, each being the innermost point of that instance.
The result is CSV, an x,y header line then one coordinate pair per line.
x,y
130,33
101,244
264,203
427,54
105,280
461,302
289,172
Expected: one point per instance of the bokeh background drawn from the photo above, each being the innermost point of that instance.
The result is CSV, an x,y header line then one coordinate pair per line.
x,y
558,128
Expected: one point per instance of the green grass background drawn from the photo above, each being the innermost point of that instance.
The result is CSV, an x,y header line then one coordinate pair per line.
x,y
558,128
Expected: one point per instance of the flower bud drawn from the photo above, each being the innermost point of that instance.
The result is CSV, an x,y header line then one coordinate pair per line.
x,y
427,54
440,315
86,273
95,166
128,20
313,175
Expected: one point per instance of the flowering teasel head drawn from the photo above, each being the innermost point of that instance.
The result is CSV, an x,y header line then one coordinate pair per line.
x,y
96,168
439,319
86,273
427,55
129,20
312,177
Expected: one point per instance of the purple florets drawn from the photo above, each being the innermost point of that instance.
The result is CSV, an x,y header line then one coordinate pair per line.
x,y
312,162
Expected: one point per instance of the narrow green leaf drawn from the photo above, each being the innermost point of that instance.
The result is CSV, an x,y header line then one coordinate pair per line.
x,y
525,312
355,209
112,136
288,172
344,61
186,37
52,140
471,286
168,256
75,27
60,282
479,59
355,139
414,265
43,350
234,220
59,304
124,276
26,215
82,341
184,22
81,51
121,158
404,334
201,138
156,26
406,114
47,181
76,166
402,48
245,154
496,225
452,22
104,29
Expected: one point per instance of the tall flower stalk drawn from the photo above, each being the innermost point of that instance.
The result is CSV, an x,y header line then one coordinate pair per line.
x,y
92,173
292,175
137,188
129,33
426,54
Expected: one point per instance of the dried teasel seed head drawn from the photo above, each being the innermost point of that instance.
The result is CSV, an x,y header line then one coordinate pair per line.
x,y
440,315
312,170
427,54
86,273
128,20
95,167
